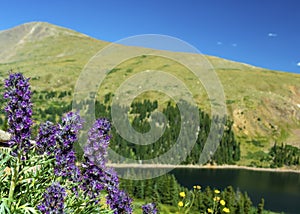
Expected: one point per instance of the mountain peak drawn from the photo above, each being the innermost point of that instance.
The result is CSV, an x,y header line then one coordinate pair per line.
x,y
13,39
38,30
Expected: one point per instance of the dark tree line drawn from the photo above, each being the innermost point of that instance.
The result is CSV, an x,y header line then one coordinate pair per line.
x,y
142,113
165,190
41,95
281,155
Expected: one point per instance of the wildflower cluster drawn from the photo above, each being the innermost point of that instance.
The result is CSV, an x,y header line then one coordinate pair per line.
x,y
46,141
96,175
187,200
58,140
19,113
54,198
92,184
119,201
80,185
93,176
149,208
98,140
66,136
218,204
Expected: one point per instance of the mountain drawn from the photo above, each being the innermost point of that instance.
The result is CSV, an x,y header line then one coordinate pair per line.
x,y
263,104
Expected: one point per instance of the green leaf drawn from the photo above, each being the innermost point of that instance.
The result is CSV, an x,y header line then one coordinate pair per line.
x,y
26,208
30,210
4,209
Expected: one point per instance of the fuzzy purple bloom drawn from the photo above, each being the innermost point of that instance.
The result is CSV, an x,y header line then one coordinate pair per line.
x,y
96,179
149,208
53,200
92,183
19,113
119,201
96,176
98,140
46,139
66,135
58,141
65,164
68,131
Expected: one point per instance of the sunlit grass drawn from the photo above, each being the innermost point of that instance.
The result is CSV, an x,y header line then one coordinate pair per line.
x,y
266,98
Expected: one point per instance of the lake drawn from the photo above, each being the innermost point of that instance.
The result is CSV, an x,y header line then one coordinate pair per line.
x,y
281,190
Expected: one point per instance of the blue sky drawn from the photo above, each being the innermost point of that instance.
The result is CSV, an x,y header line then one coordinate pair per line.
x,y
264,33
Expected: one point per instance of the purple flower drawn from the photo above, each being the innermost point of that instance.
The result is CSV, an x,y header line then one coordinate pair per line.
x,y
92,180
65,164
65,136
111,179
53,200
96,176
98,140
119,201
19,112
58,141
68,130
46,139
96,179
149,208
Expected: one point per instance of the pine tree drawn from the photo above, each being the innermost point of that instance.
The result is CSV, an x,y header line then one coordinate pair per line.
x,y
260,207
247,203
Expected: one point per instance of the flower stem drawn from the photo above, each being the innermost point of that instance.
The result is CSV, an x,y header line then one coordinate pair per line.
x,y
192,202
13,182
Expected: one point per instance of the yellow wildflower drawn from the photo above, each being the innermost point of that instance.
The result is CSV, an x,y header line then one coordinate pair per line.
x,y
198,187
194,187
217,198
180,204
217,191
222,202
226,210
182,194
209,210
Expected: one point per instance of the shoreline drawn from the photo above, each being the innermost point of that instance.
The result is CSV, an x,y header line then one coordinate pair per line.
x,y
160,166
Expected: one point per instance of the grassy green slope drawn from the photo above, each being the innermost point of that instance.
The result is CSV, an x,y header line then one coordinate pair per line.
x,y
264,104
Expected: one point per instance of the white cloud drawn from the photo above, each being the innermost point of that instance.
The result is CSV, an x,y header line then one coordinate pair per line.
x,y
298,64
272,34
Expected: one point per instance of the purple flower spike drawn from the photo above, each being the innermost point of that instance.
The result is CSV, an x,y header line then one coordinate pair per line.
x,y
92,183
119,201
96,176
68,131
53,200
19,113
98,140
46,140
65,136
96,179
